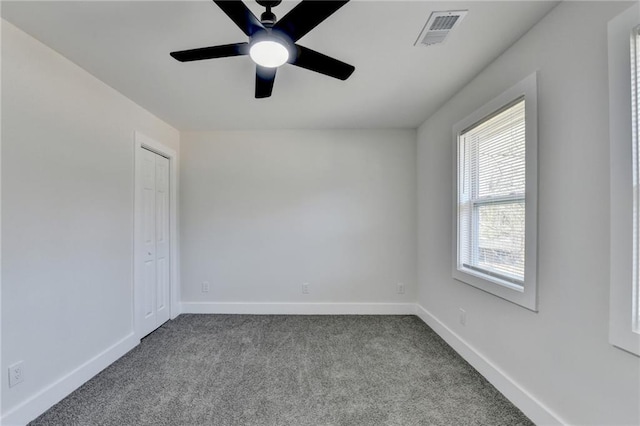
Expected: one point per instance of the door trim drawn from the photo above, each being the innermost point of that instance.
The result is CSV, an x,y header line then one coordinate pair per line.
x,y
142,141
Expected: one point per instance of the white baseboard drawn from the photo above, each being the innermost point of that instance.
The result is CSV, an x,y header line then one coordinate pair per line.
x,y
298,308
55,392
527,403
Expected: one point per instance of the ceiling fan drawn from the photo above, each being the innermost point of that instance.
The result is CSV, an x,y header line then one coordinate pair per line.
x,y
272,42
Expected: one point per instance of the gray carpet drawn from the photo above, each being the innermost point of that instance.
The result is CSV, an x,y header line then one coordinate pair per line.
x,y
288,370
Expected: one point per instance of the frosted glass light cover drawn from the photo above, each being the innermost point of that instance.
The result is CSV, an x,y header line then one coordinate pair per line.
x,y
270,54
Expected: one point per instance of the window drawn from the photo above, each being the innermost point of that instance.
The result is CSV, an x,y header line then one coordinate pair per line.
x,y
495,196
491,196
624,119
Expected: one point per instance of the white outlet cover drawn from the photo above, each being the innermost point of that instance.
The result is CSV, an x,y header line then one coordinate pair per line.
x,y
16,374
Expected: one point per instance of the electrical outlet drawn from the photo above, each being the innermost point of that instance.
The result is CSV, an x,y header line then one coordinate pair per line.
x,y
205,286
400,288
463,317
16,374
305,288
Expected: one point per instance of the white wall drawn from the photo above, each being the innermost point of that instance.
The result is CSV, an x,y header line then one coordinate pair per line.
x,y
67,214
263,212
561,355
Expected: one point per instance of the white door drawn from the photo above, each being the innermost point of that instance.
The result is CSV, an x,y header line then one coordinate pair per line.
x,y
154,246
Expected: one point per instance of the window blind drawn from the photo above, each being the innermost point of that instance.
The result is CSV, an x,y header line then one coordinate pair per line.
x,y
635,102
491,195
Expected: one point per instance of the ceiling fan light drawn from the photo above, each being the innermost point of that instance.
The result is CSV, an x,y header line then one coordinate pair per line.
x,y
269,53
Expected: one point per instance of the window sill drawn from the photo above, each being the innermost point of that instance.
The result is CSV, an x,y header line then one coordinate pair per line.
x,y
503,289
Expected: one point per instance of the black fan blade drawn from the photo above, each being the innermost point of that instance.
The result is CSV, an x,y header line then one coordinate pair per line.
x,y
306,16
212,52
264,81
314,61
241,15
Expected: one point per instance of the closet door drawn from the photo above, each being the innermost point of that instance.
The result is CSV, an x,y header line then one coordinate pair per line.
x,y
154,257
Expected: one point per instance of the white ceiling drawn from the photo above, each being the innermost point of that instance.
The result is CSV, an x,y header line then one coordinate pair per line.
x,y
126,44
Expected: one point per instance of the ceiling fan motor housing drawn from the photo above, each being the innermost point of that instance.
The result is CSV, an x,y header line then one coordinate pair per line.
x,y
268,19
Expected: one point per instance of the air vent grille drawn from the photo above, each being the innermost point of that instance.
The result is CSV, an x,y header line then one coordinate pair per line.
x,y
438,27
443,23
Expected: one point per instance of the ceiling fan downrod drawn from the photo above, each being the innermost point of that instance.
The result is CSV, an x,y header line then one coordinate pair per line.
x,y
267,18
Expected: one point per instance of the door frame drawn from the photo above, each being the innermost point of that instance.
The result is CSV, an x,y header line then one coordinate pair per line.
x,y
141,141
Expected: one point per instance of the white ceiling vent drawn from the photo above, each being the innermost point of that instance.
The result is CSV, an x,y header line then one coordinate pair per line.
x,y
438,26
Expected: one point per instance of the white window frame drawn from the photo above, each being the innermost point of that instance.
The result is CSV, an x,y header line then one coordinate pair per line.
x,y
525,295
623,333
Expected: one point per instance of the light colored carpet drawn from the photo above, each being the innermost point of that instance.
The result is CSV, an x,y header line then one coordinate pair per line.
x,y
288,370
